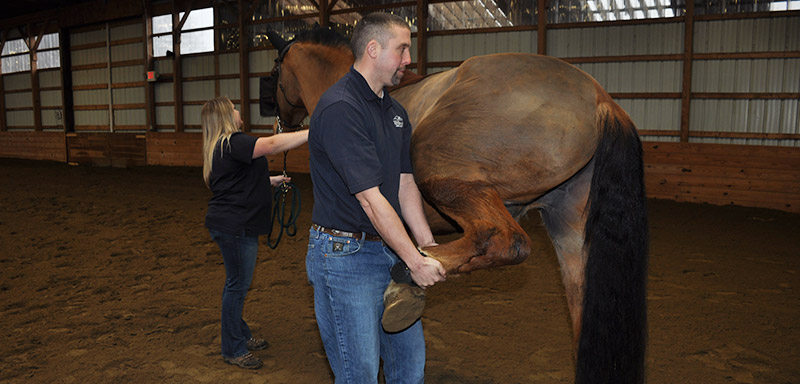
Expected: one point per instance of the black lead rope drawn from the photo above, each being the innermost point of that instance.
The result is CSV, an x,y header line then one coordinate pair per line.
x,y
287,223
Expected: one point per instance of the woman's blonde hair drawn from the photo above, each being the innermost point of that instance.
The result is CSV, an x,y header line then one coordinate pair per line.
x,y
218,126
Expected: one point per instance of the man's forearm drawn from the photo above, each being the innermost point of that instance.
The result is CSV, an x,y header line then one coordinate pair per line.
x,y
413,213
389,226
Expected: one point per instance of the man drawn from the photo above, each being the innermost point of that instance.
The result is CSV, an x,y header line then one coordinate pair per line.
x,y
363,184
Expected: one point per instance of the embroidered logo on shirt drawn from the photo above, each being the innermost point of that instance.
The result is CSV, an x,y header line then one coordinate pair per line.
x,y
398,121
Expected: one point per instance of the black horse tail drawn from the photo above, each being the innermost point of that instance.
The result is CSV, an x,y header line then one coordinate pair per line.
x,y
613,337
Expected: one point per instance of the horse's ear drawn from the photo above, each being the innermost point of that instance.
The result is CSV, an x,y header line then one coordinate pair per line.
x,y
276,40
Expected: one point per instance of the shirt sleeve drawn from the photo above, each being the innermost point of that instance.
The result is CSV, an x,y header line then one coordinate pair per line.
x,y
350,147
242,146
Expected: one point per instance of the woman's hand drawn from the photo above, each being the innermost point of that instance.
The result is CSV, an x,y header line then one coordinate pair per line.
x,y
278,180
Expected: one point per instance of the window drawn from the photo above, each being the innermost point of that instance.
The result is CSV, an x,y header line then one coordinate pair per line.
x,y
571,11
47,54
742,6
197,33
478,14
16,55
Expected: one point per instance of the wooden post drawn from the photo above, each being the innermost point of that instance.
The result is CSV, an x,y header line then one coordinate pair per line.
x,y
68,115
110,79
33,46
541,28
324,13
422,37
149,65
329,9
177,66
244,67
217,48
3,124
686,92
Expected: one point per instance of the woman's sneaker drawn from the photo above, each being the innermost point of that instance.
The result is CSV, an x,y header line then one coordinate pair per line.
x,y
257,344
246,361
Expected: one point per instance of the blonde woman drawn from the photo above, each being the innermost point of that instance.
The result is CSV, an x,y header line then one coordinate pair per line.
x,y
236,171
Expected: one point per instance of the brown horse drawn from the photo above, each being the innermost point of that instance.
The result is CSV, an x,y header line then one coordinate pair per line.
x,y
496,137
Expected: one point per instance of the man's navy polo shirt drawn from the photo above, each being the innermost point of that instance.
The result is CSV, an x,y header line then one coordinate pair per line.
x,y
357,141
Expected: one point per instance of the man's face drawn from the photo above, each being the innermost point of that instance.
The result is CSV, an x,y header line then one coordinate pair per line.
x,y
395,55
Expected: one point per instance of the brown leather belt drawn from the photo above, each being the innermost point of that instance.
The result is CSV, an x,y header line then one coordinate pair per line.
x,y
353,235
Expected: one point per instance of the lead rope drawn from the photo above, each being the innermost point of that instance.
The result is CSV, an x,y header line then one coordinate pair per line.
x,y
285,223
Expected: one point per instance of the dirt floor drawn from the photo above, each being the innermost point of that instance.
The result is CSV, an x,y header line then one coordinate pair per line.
x,y
108,276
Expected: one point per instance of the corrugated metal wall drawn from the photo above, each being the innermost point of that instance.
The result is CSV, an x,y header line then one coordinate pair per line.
x,y
89,96
18,119
127,77
461,47
259,62
107,98
666,76
749,75
108,75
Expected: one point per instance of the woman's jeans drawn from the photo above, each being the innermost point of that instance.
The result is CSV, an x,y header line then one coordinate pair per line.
x,y
349,277
239,254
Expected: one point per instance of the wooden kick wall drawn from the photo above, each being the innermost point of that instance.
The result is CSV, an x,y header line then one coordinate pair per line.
x,y
724,174
721,174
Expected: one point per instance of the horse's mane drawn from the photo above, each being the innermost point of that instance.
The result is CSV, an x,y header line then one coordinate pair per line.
x,y
324,36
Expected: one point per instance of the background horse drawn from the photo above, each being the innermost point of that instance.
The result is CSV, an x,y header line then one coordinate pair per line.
x,y
496,137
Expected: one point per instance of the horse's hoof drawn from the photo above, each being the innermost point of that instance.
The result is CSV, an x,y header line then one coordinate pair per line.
x,y
403,305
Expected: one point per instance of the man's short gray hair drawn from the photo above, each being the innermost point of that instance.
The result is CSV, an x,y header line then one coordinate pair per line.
x,y
375,26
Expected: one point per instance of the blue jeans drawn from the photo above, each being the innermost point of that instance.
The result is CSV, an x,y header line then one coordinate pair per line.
x,y
349,277
239,254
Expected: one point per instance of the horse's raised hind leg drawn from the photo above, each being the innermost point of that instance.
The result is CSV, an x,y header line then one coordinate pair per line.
x,y
491,236
563,215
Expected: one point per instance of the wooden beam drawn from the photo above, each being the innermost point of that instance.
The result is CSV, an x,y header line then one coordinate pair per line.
x,y
68,115
622,58
217,21
186,12
750,96
541,28
422,37
110,79
3,124
177,70
250,11
36,98
149,64
686,91
747,55
331,4
371,8
244,68
324,12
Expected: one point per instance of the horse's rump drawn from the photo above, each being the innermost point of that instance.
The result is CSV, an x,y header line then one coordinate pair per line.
x,y
503,119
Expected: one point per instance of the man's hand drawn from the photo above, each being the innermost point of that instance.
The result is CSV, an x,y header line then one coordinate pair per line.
x,y
428,272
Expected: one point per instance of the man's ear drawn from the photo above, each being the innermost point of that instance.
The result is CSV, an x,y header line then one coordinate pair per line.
x,y
373,48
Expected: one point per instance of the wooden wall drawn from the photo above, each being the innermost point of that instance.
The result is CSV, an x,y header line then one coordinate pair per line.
x,y
106,149
724,174
720,174
33,145
186,149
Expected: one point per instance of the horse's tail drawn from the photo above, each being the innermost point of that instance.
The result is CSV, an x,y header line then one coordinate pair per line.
x,y
613,336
